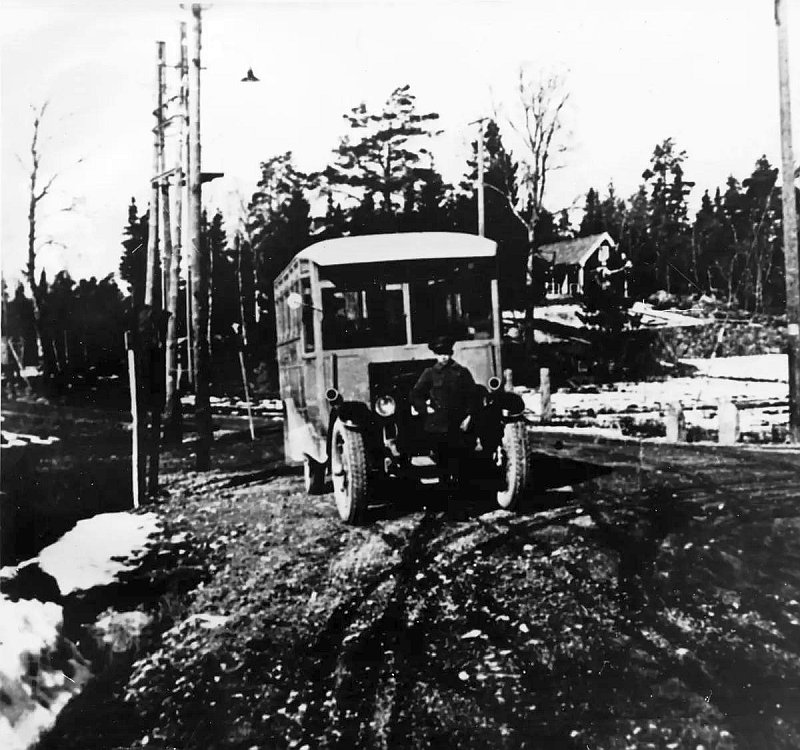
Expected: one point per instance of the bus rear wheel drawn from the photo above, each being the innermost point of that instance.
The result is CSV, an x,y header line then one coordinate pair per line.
x,y
515,465
349,473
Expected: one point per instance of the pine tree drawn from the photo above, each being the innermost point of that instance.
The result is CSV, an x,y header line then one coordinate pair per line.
x,y
592,221
133,263
669,227
383,152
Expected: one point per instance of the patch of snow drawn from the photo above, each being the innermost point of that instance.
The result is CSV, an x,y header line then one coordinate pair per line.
x,y
28,629
584,522
18,439
26,626
209,622
121,631
27,729
771,367
82,558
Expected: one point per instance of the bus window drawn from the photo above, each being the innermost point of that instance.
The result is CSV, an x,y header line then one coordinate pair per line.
x,y
460,307
369,316
308,316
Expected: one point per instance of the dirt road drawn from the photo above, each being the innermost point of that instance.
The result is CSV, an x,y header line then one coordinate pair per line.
x,y
643,597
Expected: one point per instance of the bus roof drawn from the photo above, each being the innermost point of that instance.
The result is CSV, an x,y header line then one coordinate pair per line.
x,y
382,248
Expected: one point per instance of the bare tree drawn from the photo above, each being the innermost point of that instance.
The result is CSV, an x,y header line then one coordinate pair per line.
x,y
539,127
540,130
37,287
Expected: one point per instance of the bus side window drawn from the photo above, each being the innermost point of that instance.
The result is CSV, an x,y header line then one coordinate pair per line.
x,y
308,316
279,303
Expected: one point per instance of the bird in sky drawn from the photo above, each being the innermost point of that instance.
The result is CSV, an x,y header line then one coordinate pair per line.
x,y
250,76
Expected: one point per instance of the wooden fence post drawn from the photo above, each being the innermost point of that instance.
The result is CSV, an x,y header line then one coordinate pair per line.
x,y
676,423
544,391
728,422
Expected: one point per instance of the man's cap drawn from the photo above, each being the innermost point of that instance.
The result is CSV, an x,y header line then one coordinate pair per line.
x,y
442,345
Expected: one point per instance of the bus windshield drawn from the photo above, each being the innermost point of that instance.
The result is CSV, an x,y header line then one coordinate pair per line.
x,y
367,306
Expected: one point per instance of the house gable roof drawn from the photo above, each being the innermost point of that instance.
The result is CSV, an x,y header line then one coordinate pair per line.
x,y
577,251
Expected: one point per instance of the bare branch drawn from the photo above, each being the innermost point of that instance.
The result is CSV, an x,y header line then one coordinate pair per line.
x,y
514,209
45,190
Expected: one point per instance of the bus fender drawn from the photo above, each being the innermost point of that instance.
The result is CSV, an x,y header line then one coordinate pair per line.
x,y
512,405
355,415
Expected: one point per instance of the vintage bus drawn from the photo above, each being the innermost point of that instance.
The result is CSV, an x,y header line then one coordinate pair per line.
x,y
354,319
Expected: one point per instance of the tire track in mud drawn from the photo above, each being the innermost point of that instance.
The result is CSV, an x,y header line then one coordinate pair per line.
x,y
367,661
363,663
353,674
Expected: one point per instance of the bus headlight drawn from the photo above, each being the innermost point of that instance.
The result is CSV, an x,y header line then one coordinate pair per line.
x,y
385,406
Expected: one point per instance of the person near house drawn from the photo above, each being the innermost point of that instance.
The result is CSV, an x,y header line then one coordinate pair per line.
x,y
451,391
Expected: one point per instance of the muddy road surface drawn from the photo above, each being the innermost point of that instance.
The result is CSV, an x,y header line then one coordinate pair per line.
x,y
643,597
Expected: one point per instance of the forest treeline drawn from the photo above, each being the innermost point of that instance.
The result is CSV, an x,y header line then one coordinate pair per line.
x,y
383,178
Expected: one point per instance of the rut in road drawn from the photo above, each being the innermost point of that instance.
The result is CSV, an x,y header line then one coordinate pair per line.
x,y
363,665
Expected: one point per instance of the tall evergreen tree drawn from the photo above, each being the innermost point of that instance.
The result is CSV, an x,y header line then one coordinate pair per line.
x,y
133,263
669,226
503,224
383,152
592,221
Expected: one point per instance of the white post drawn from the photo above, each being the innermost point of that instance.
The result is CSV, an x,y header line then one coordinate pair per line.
x,y
675,423
728,422
544,391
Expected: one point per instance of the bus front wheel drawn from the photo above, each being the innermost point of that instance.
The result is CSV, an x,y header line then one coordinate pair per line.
x,y
349,473
514,464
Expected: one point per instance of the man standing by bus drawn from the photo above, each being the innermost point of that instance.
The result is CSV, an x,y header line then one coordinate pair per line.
x,y
452,394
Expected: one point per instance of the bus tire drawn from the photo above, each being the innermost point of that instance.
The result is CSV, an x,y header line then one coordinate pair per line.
x,y
349,472
515,465
313,476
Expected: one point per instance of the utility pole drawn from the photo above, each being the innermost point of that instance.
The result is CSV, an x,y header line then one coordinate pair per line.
x,y
202,362
790,250
481,189
480,182
173,418
152,291
153,345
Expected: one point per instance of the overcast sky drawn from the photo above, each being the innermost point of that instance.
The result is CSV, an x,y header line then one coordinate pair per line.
x,y
638,71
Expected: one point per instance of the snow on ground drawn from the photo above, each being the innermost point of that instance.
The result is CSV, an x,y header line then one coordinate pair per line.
x,y
29,630
26,626
34,687
97,549
93,553
228,404
773,367
566,313
20,439
757,384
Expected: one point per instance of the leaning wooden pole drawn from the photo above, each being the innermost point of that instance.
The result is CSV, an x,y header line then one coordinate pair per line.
x,y
173,417
202,361
243,336
136,464
790,250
